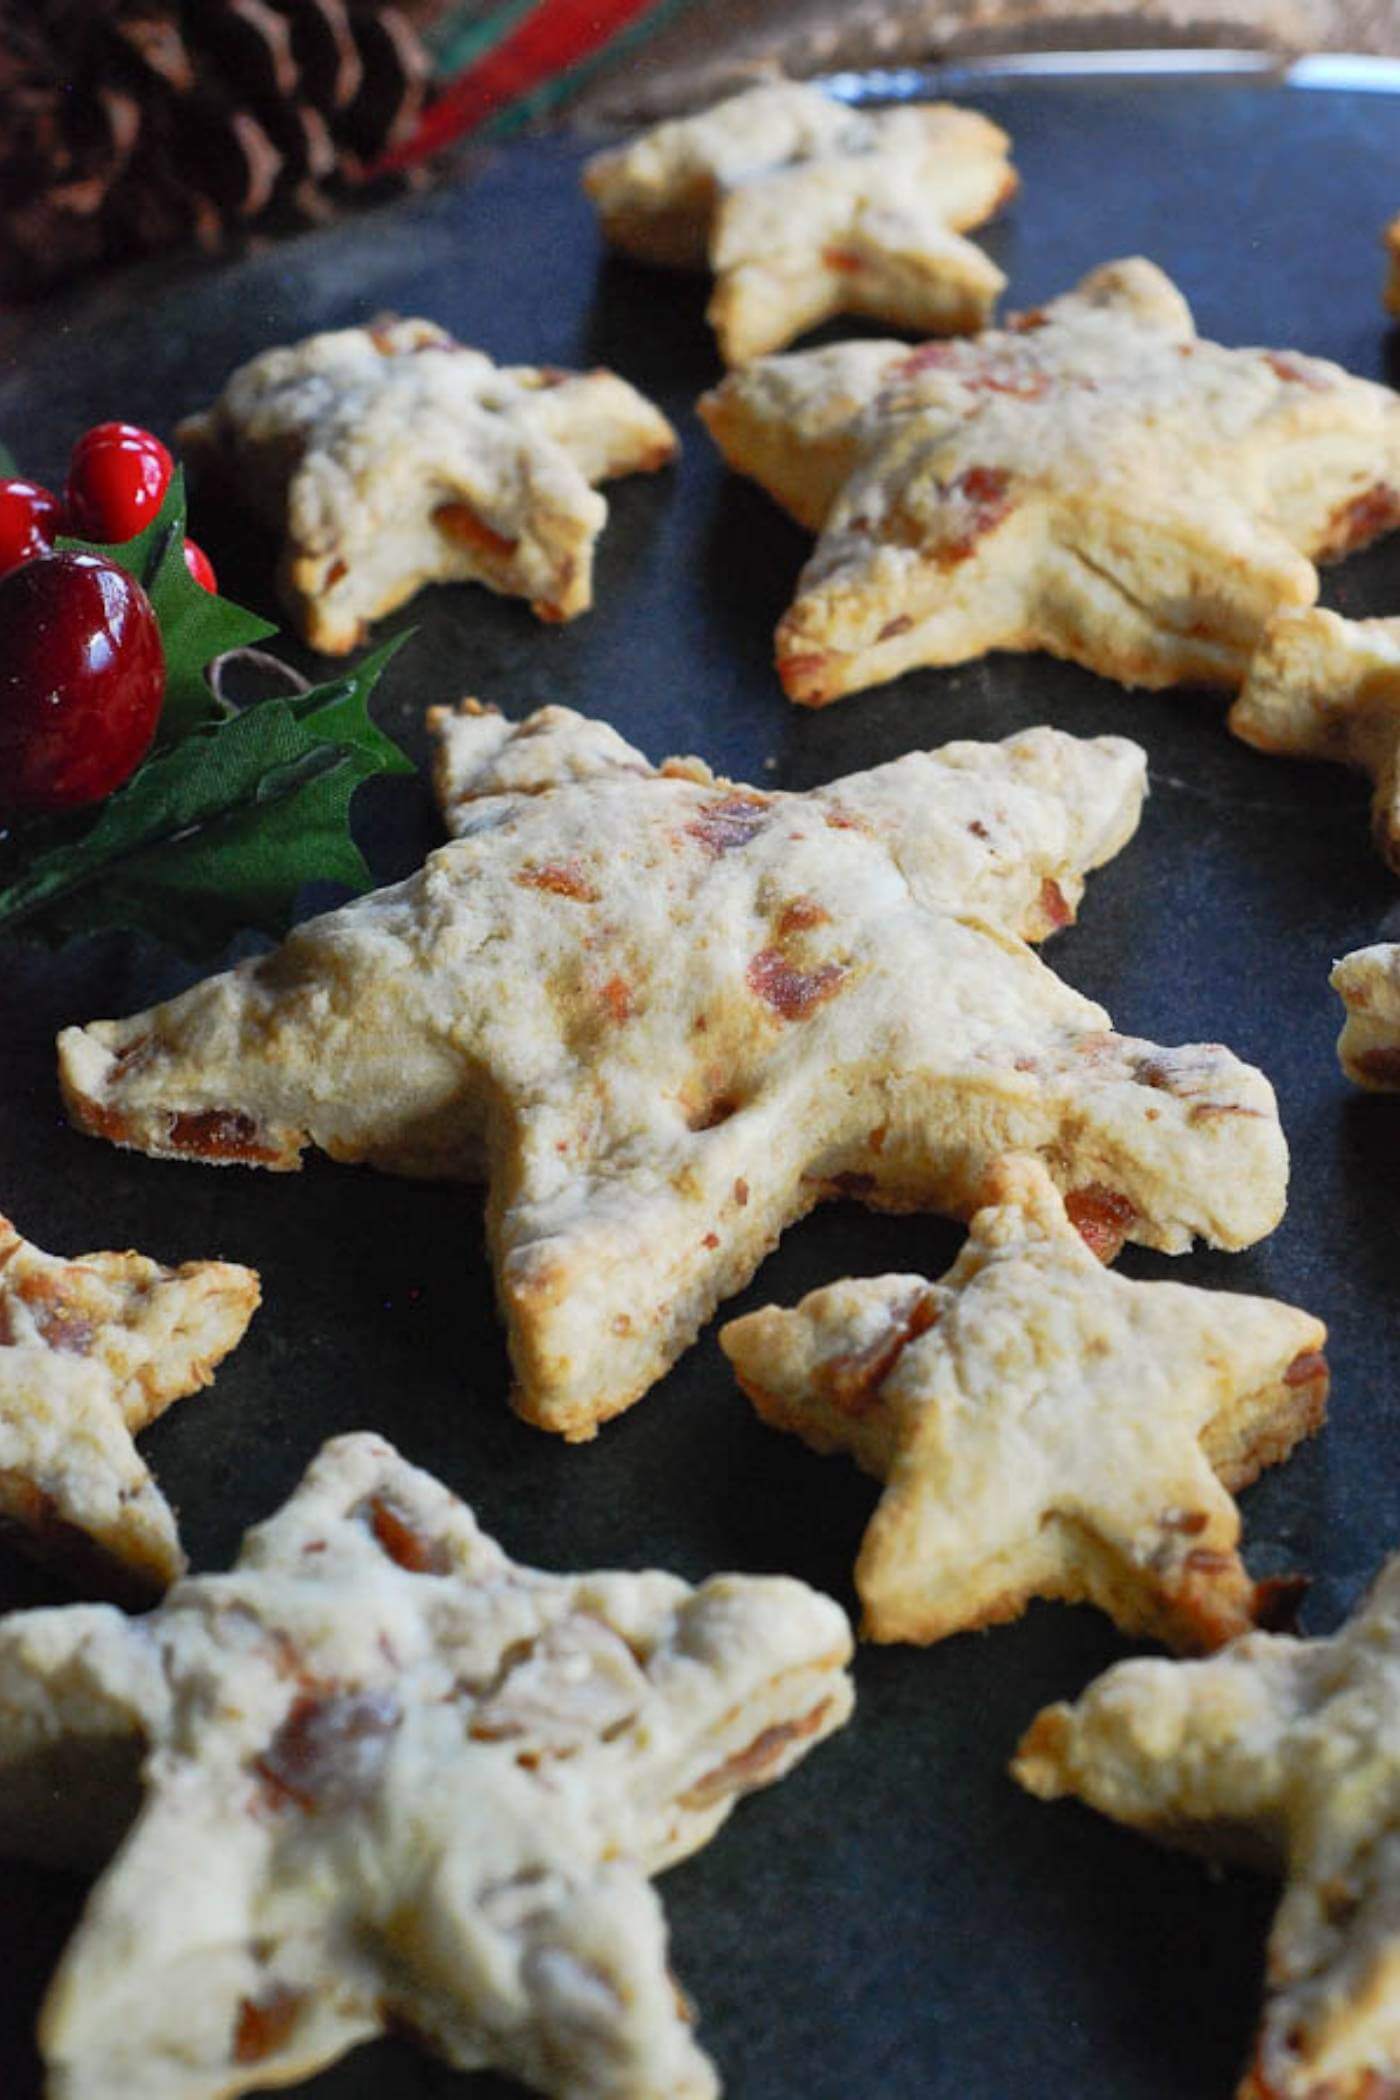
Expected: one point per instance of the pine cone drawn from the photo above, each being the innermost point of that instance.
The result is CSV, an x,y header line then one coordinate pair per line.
x,y
128,126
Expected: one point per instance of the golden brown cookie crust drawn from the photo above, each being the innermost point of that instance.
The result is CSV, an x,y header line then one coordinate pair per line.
x,y
1043,1427
92,1350
1282,1754
393,456
666,1014
1321,686
805,209
1094,479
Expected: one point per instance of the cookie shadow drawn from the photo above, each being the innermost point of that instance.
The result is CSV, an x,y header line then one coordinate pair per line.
x,y
39,1913
649,324
749,564
1122,1915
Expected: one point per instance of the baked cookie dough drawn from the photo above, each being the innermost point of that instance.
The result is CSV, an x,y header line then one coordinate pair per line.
x,y
1093,479
1283,1754
393,456
1324,687
92,1350
666,1014
805,208
1368,1048
1043,1427
392,1780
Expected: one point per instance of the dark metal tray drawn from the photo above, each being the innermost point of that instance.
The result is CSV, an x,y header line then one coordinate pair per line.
x,y
896,1921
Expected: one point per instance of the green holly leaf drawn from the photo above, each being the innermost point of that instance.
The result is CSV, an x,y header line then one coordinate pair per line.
x,y
234,811
195,625
221,830
338,711
9,465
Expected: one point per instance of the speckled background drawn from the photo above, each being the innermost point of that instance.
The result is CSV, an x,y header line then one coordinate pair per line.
x,y
896,1921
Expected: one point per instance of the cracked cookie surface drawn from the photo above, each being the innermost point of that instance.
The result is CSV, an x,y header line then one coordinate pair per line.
x,y
806,208
1093,479
1043,1427
665,1014
392,1780
393,456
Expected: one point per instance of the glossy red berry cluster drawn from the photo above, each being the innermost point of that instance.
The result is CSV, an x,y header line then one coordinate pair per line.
x,y
82,680
118,474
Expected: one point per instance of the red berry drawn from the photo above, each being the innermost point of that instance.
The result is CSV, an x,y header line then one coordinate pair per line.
x,y
200,567
117,433
117,479
82,679
31,517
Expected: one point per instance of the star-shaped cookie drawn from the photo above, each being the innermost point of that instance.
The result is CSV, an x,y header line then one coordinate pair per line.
x,y
1284,1754
1368,1047
665,1015
392,456
1043,1427
1324,687
91,1351
805,208
1093,479
394,1782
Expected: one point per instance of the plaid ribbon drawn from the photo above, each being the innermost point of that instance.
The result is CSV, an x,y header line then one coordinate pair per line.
x,y
507,62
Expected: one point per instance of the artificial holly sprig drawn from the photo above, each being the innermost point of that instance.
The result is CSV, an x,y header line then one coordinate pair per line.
x,y
233,811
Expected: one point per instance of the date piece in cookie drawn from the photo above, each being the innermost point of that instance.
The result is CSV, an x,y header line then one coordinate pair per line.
x,y
1368,1047
392,456
394,1782
1324,687
805,208
1092,479
91,1350
1282,1754
1043,1427
665,1015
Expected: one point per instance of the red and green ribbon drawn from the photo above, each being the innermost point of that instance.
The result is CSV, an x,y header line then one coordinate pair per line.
x,y
520,59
